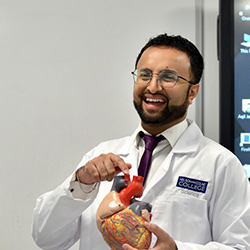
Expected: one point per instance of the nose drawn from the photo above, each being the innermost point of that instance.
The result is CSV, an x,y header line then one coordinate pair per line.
x,y
154,85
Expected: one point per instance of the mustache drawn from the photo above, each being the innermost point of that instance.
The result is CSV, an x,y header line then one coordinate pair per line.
x,y
147,92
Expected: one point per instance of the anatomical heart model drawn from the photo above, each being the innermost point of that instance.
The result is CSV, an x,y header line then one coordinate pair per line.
x,y
120,217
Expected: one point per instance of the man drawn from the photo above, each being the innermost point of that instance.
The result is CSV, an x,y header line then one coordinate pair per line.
x,y
198,189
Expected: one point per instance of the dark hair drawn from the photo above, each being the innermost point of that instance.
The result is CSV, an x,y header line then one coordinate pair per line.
x,y
182,44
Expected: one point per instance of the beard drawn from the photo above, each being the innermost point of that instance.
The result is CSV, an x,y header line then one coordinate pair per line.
x,y
166,116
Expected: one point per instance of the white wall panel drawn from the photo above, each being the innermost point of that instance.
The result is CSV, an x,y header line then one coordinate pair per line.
x,y
211,73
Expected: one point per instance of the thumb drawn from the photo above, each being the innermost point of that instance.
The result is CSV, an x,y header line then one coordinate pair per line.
x,y
164,241
127,247
159,233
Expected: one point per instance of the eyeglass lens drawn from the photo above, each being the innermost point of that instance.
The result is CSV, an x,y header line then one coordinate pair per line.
x,y
165,77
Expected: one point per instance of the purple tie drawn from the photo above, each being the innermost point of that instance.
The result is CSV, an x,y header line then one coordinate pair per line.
x,y
150,144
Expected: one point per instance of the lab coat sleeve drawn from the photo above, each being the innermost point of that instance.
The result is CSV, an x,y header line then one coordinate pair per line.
x,y
229,210
57,214
56,217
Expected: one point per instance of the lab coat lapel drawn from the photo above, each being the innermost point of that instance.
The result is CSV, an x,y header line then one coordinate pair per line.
x,y
132,158
130,153
188,143
158,176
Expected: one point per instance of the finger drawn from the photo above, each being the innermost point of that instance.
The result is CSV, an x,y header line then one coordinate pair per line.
x,y
93,169
116,171
88,174
128,247
164,241
110,169
120,164
160,233
102,168
105,167
129,166
109,165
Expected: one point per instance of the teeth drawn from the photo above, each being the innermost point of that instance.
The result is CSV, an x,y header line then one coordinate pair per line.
x,y
154,100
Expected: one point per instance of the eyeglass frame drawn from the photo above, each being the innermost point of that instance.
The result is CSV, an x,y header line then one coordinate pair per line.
x,y
158,80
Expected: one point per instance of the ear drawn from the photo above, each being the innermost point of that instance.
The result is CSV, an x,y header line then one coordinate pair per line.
x,y
193,91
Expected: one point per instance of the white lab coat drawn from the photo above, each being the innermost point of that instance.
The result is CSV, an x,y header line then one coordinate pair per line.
x,y
218,218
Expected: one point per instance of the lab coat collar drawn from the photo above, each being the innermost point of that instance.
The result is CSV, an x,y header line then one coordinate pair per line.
x,y
189,141
172,134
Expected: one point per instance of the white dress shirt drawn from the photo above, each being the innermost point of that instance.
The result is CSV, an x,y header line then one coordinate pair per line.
x,y
163,147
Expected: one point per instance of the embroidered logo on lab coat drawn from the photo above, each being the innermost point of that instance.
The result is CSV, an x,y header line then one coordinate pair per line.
x,y
192,184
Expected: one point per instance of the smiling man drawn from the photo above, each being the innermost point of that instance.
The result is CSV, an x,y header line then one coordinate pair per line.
x,y
160,102
198,190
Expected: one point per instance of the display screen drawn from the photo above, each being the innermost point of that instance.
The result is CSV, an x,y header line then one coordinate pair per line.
x,y
242,82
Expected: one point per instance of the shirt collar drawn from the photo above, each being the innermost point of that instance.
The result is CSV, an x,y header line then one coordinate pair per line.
x,y
172,134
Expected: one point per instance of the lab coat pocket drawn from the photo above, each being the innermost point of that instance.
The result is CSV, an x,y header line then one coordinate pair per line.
x,y
182,216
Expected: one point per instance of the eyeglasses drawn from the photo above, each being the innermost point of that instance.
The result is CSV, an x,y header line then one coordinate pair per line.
x,y
166,78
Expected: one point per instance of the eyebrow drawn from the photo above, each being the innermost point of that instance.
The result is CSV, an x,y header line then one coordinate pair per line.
x,y
167,69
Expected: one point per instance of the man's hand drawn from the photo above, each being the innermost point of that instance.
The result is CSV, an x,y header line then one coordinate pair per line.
x,y
164,241
102,168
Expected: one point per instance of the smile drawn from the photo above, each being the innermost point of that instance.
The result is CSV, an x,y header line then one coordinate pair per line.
x,y
147,100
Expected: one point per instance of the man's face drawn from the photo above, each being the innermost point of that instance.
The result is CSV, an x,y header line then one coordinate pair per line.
x,y
160,107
